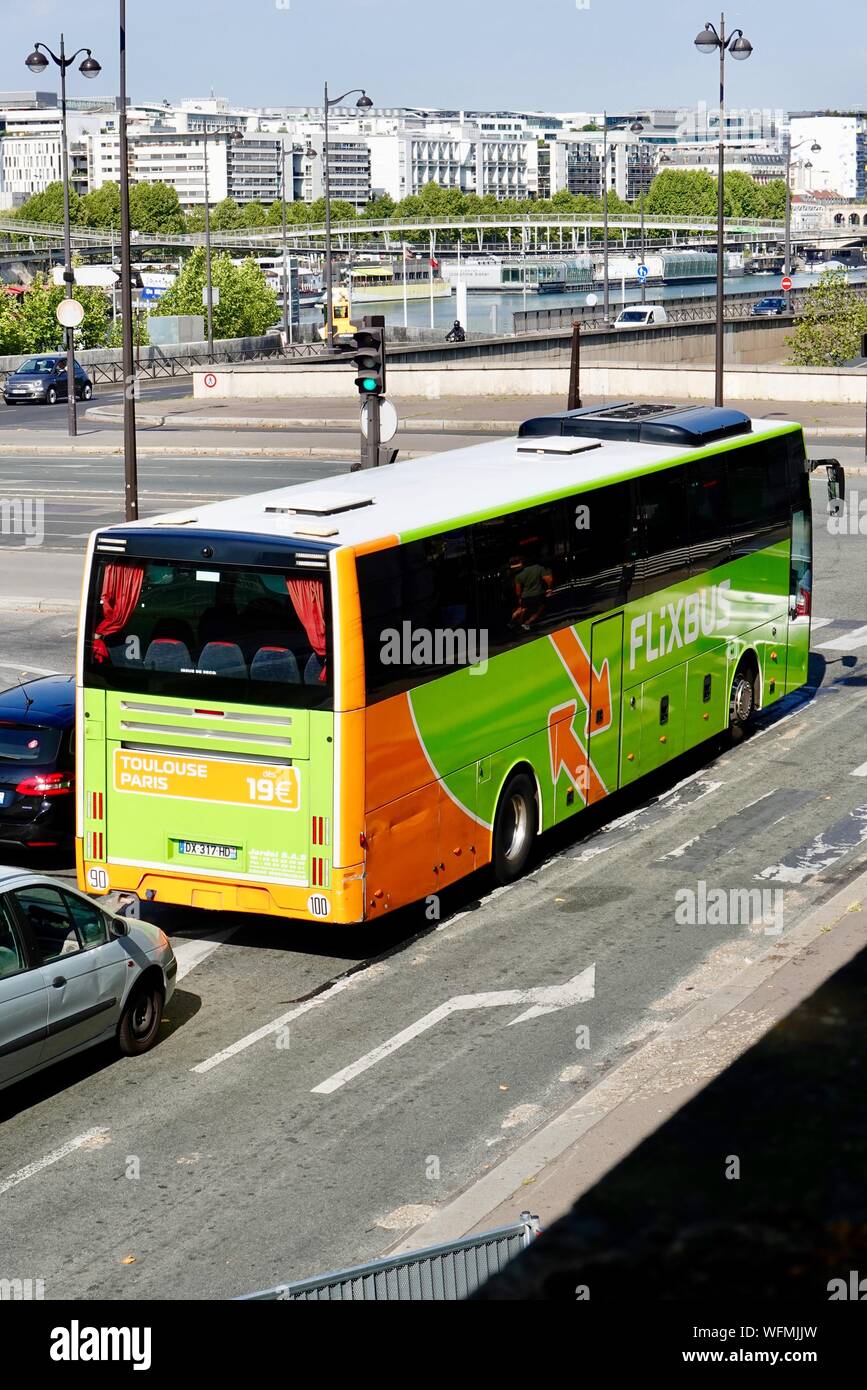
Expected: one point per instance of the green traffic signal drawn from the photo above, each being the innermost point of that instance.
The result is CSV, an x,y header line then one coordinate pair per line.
x,y
369,383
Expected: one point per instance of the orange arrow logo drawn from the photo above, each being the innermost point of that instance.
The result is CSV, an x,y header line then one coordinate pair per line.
x,y
567,752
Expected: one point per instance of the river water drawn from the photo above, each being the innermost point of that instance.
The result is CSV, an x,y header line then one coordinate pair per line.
x,y
492,312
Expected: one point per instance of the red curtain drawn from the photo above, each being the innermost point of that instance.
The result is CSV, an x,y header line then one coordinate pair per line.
x,y
121,587
308,600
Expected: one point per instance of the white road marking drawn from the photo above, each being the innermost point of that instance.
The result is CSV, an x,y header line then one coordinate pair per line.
x,y
848,642
823,851
31,1169
648,816
275,1027
189,954
859,771
34,670
543,1000
820,622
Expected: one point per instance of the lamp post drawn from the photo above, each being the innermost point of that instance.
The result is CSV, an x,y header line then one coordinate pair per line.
x,y
209,281
712,41
790,149
364,103
130,384
89,67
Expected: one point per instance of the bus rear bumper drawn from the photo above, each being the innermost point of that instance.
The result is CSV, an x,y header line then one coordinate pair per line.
x,y
342,903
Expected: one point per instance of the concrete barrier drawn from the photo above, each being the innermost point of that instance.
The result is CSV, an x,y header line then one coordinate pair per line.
x,y
822,385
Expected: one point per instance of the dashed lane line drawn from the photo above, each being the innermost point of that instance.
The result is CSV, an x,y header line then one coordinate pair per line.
x,y
91,1138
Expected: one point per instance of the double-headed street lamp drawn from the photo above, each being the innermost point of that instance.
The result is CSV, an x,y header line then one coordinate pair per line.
x,y
790,149
712,41
89,67
364,103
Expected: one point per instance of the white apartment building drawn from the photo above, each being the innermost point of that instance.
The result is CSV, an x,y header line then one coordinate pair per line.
x,y
762,161
841,162
246,168
31,151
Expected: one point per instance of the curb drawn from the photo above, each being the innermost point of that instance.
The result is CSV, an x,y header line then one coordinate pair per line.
x,y
620,1086
414,424
179,451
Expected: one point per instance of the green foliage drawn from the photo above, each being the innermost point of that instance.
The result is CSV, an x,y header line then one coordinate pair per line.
x,y
47,206
828,332
101,208
226,216
247,306
154,207
39,330
140,335
10,325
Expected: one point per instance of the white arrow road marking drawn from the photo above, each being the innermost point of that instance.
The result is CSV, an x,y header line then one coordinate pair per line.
x,y
847,643
547,999
94,1138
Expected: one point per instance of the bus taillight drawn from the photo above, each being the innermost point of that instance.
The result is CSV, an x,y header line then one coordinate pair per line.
x,y
803,606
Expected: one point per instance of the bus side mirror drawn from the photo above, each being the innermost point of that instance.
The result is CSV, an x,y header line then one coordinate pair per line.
x,y
836,483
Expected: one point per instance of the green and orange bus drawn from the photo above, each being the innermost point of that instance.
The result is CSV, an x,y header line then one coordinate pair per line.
x,y
331,700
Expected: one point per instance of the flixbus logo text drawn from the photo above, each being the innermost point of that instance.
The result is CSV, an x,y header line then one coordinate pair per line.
x,y
661,631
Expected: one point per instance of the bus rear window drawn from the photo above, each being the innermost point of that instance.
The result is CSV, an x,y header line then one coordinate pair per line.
x,y
182,628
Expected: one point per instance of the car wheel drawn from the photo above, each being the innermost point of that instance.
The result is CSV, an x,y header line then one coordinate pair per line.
x,y
86,391
140,1023
515,827
51,396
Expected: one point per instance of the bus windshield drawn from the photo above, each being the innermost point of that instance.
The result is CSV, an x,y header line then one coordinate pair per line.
x,y
186,628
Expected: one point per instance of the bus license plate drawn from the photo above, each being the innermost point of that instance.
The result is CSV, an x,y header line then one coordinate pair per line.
x,y
206,850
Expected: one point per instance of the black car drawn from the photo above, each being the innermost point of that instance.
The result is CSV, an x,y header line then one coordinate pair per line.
x,y
771,304
43,378
37,763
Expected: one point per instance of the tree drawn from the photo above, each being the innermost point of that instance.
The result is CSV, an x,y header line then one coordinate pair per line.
x,y
226,216
682,193
829,330
47,206
247,306
101,207
154,207
10,325
39,329
140,335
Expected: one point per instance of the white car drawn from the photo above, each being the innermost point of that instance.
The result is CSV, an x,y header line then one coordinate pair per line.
x,y
640,316
73,975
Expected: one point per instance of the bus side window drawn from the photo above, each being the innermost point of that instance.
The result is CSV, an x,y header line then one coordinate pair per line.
x,y
598,524
664,545
709,538
520,563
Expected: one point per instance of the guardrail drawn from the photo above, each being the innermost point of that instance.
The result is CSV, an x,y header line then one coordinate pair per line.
x,y
438,1274
105,367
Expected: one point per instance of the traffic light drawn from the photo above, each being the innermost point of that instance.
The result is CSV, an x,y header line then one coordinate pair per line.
x,y
368,353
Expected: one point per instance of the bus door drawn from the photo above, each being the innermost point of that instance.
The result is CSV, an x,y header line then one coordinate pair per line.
x,y
603,727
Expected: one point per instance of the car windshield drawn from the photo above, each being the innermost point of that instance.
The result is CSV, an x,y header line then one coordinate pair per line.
x,y
36,366
186,628
25,743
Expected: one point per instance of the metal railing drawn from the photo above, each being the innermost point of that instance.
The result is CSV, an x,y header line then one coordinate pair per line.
x,y
438,1274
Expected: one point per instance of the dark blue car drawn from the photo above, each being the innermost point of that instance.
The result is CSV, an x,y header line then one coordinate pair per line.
x,y
37,763
771,304
44,378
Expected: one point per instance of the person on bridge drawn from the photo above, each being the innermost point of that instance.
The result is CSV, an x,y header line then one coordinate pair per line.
x,y
456,334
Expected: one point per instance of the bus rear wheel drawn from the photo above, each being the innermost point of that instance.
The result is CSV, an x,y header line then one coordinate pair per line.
x,y
742,703
515,826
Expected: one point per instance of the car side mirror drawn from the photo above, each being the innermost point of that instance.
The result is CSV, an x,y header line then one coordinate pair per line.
x,y
836,483
119,927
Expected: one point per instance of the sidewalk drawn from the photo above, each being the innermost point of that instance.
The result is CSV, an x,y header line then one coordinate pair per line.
x,y
567,1157
467,415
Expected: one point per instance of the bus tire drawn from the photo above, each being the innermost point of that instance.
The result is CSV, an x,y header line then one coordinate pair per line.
x,y
742,701
515,827
141,1019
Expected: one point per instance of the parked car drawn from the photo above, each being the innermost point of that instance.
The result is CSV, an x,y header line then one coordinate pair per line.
x,y
73,975
640,316
37,762
771,304
43,378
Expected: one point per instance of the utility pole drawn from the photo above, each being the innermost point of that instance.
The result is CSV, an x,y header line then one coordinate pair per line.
x,y
130,380
209,283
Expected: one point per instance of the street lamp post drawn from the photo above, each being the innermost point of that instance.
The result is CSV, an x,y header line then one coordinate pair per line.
x,y
209,281
89,67
287,318
790,149
711,41
605,216
364,104
130,383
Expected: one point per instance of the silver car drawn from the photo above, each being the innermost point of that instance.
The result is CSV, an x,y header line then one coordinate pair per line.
x,y
73,975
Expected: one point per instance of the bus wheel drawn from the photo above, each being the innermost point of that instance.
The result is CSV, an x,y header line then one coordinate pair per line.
x,y
515,827
742,705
